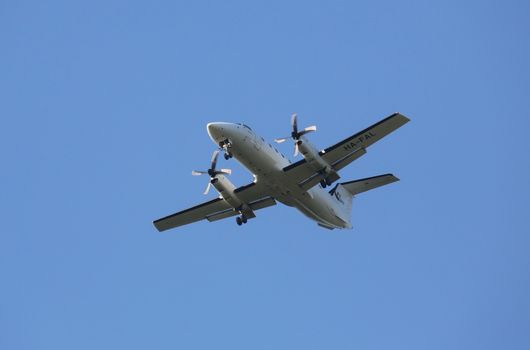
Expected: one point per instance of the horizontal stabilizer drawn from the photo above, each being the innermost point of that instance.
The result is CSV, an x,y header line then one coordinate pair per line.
x,y
369,183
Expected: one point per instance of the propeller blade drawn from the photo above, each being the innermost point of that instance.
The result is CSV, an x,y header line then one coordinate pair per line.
x,y
310,128
294,123
305,131
207,188
226,171
198,172
295,149
280,140
214,159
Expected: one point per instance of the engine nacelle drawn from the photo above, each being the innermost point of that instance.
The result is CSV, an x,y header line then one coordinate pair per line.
x,y
226,190
315,161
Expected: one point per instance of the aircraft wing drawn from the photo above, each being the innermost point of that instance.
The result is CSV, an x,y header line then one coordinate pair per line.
x,y
346,151
216,209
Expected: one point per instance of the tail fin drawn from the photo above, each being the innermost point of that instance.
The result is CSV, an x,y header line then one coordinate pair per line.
x,y
345,192
362,185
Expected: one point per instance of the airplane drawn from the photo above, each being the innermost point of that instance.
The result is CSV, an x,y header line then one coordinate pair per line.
x,y
301,184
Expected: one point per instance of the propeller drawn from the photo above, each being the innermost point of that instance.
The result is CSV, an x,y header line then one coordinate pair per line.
x,y
295,134
212,171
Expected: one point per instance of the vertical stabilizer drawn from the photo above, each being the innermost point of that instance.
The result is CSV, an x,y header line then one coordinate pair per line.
x,y
344,200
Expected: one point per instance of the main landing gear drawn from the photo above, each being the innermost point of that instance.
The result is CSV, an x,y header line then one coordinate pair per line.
x,y
240,220
226,146
325,183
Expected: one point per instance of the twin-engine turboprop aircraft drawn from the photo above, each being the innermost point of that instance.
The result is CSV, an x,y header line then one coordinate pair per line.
x,y
301,184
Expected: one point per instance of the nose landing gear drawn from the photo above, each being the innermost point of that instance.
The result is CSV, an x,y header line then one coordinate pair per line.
x,y
226,145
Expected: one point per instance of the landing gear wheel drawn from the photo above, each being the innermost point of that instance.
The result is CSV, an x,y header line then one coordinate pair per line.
x,y
244,219
323,183
239,221
227,154
226,145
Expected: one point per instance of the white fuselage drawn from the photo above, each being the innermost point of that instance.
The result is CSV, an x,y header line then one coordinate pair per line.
x,y
266,164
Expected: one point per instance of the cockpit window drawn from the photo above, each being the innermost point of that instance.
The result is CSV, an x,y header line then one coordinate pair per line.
x,y
246,126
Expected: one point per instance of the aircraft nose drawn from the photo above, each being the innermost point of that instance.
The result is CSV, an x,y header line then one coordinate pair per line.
x,y
212,128
218,131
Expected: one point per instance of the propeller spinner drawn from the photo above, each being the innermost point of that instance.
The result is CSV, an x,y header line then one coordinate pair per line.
x,y
212,171
295,134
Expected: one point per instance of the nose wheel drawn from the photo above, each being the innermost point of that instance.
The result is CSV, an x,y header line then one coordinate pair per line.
x,y
240,220
226,146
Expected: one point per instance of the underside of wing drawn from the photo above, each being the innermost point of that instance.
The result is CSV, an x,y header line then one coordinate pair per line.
x,y
363,139
255,205
254,195
346,151
193,214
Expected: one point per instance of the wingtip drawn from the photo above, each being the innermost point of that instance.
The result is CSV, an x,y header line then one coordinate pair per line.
x,y
404,117
394,177
155,225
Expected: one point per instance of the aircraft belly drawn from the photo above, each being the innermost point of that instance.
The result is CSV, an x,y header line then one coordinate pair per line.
x,y
319,210
263,165
268,169
307,211
258,162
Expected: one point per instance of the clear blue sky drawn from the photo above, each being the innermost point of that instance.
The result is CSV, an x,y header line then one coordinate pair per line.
x,y
103,109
